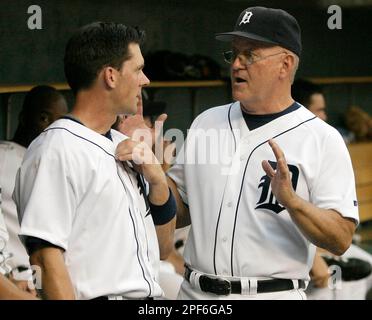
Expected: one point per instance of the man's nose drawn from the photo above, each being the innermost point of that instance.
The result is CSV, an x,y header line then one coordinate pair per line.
x,y
145,81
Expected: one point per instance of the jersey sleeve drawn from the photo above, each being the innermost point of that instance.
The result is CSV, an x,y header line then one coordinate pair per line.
x,y
177,171
45,198
4,237
177,174
334,187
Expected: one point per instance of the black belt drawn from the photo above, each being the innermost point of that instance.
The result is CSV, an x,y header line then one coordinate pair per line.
x,y
220,286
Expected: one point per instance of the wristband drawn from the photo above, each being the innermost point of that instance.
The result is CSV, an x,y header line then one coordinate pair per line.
x,y
164,213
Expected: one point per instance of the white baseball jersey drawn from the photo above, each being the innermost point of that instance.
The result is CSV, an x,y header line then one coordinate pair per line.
x,y
3,240
71,192
3,230
11,155
238,228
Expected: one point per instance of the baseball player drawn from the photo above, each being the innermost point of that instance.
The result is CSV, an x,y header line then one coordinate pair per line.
x,y
263,179
42,106
171,269
311,96
85,217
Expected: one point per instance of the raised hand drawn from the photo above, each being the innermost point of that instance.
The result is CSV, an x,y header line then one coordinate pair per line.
x,y
281,184
169,154
129,124
142,158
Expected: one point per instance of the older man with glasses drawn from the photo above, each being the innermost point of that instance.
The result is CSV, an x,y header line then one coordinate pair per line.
x,y
280,181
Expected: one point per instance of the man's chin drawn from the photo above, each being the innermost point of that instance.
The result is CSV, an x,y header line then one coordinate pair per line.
x,y
129,110
238,96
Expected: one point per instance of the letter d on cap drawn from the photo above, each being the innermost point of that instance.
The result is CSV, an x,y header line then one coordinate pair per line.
x,y
247,16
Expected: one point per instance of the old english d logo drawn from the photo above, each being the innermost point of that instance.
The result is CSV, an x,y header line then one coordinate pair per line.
x,y
247,16
268,201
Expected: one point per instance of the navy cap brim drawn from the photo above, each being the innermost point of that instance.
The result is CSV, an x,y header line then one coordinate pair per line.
x,y
228,36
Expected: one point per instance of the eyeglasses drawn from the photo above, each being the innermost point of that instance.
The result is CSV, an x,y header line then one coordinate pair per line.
x,y
246,58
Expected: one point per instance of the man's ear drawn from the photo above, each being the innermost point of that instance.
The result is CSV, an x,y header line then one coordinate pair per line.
x,y
287,65
110,76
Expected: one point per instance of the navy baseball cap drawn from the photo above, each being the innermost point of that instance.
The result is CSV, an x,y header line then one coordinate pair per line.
x,y
268,25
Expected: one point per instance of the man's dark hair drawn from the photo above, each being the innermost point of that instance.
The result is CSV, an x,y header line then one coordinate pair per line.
x,y
37,100
96,46
302,90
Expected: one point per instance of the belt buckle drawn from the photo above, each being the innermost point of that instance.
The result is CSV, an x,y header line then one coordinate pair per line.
x,y
223,287
217,286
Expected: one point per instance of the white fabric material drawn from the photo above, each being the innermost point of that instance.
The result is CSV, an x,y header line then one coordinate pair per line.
x,y
11,155
295,284
170,280
3,230
195,280
181,235
235,229
72,192
3,240
253,286
245,286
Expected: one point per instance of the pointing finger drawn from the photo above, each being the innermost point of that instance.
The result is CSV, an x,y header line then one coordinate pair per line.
x,y
279,155
162,117
268,169
277,151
